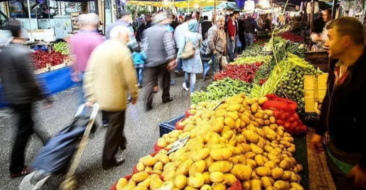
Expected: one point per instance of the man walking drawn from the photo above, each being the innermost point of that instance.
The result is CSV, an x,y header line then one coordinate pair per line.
x,y
20,90
217,43
109,76
82,45
342,119
160,52
232,32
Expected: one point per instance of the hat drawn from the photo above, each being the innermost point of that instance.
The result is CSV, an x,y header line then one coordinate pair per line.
x,y
123,13
159,17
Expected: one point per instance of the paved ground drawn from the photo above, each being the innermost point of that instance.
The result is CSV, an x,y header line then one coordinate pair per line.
x,y
142,130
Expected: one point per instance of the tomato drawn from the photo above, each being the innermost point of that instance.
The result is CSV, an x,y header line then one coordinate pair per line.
x,y
287,124
295,116
279,122
291,119
282,116
295,124
286,115
276,113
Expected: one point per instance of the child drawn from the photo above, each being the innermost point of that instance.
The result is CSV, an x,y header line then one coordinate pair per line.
x,y
206,56
139,61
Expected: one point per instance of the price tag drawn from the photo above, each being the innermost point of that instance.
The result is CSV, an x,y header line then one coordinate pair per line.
x,y
179,144
166,186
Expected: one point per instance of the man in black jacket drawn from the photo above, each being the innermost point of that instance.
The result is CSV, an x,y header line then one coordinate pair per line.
x,y
143,27
20,90
205,26
250,26
343,113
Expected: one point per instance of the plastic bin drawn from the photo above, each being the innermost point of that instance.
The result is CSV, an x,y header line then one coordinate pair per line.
x,y
167,126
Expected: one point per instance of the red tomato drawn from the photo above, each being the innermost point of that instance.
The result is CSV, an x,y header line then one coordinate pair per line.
x,y
291,119
287,124
287,114
276,113
295,124
295,116
279,122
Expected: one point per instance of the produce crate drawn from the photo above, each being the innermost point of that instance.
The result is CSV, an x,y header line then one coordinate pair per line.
x,y
315,88
167,126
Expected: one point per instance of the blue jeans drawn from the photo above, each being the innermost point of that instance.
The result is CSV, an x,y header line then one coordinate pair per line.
x,y
231,48
249,39
206,68
216,59
180,65
190,80
140,73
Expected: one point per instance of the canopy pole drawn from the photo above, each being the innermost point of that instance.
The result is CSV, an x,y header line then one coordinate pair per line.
x,y
214,13
188,7
29,19
334,9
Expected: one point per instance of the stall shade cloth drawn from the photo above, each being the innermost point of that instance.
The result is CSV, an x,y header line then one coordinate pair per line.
x,y
52,82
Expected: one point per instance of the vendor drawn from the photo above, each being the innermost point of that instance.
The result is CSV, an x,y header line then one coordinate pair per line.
x,y
341,126
319,36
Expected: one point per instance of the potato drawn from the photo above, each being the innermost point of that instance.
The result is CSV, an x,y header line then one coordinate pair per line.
x,y
221,166
169,166
296,186
218,124
197,167
246,148
284,164
299,167
216,177
168,175
229,179
140,187
286,175
256,149
246,185
281,185
206,187
250,155
201,154
220,113
156,182
262,100
121,183
196,181
254,107
266,182
277,173
190,188
180,181
242,172
259,160
221,154
146,182
254,175
206,176
140,176
268,148
270,164
140,167
158,166
263,171
228,121
256,184
162,143
184,167
209,161
233,107
251,163
149,160
251,136
163,158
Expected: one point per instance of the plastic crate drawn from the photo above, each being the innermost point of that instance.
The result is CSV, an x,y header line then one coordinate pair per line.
x,y
167,126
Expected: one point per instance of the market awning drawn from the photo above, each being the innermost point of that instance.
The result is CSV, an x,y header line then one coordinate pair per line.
x,y
178,3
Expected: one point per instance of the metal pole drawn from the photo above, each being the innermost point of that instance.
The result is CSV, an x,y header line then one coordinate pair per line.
x,y
312,20
214,13
29,18
334,9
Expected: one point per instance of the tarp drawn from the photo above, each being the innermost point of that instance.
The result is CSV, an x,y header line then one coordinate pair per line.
x,y
53,82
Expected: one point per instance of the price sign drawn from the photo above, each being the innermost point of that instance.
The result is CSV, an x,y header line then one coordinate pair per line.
x,y
179,144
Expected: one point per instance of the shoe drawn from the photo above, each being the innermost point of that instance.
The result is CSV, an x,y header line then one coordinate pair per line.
x,y
185,87
148,108
167,101
115,163
105,123
26,170
172,82
155,89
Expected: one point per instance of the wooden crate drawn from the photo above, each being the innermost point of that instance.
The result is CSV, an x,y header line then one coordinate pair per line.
x,y
315,88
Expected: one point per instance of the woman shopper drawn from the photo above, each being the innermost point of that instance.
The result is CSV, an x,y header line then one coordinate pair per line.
x,y
192,65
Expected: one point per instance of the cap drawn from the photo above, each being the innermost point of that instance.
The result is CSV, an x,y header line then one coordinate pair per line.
x,y
123,13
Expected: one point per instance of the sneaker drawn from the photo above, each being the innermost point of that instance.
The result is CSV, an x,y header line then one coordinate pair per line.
x,y
172,82
185,87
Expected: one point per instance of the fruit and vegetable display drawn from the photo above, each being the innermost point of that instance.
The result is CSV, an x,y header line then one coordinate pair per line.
x,y
252,51
236,146
221,89
62,47
244,73
42,58
292,37
252,60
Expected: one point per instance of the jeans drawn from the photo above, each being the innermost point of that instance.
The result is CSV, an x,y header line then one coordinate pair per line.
x,y
190,80
216,60
249,39
139,72
23,133
231,48
81,90
206,69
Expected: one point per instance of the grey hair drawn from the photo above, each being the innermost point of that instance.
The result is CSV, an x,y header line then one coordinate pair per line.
x,y
220,17
119,30
88,19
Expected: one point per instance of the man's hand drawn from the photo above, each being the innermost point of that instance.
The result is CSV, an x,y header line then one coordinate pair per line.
x,y
359,175
75,76
232,38
89,104
172,65
134,101
316,143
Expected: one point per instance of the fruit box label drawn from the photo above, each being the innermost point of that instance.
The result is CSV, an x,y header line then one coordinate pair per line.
x,y
179,144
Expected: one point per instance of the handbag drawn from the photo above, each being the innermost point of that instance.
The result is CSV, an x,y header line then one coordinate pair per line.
x,y
188,51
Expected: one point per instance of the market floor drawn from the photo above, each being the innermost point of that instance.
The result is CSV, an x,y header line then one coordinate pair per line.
x,y
142,130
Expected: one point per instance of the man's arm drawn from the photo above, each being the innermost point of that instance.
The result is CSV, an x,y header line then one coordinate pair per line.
x,y
211,39
128,74
231,28
169,46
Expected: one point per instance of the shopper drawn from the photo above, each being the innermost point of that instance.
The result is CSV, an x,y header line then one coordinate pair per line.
x,y
241,27
193,65
342,119
107,84
159,46
319,24
178,37
232,32
174,24
250,26
217,43
205,26
320,38
82,45
206,56
20,90
139,58
143,27
125,20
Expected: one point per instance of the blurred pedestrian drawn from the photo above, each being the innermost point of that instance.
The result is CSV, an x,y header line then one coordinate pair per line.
x,y
159,46
192,65
178,37
217,43
139,58
232,28
107,84
21,90
82,45
125,20
206,56
205,26
174,24
143,27
250,26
